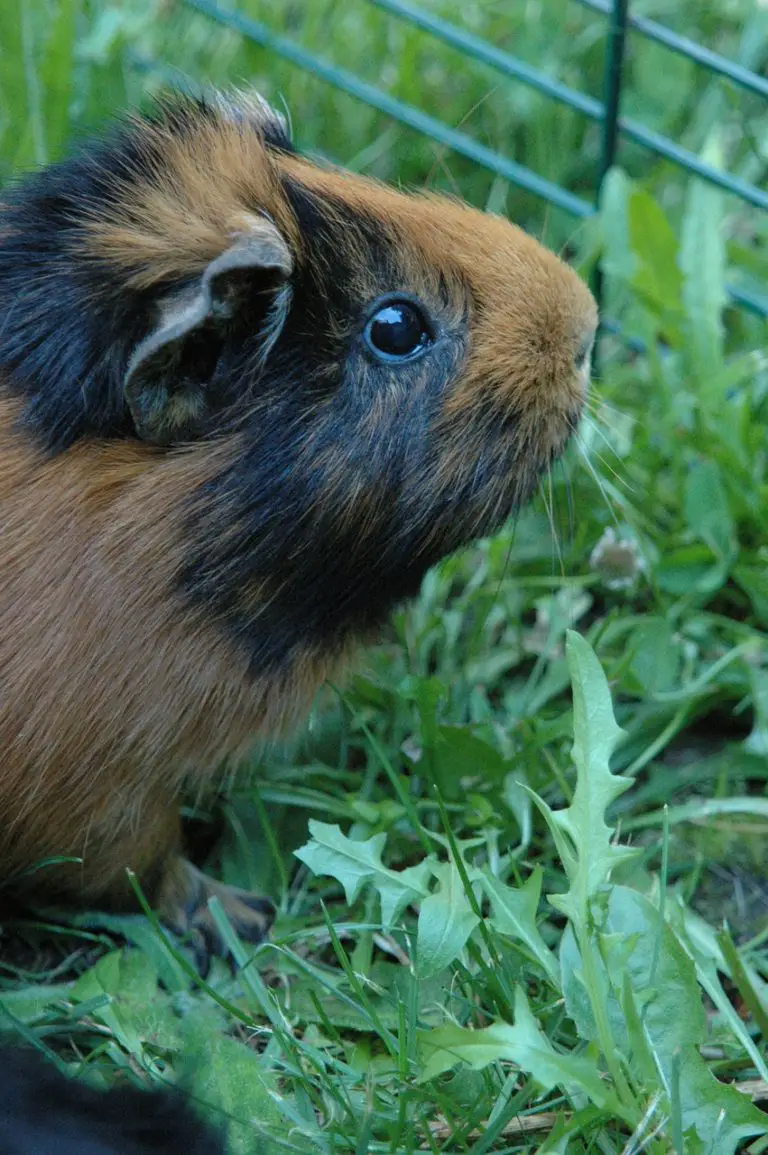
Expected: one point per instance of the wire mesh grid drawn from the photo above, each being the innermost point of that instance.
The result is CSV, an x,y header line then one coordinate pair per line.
x,y
620,25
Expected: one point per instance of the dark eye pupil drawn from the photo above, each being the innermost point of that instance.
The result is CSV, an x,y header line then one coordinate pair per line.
x,y
397,330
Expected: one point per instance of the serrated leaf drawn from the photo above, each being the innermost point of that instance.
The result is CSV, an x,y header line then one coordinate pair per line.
x,y
582,835
663,980
392,986
354,863
524,1044
446,920
514,914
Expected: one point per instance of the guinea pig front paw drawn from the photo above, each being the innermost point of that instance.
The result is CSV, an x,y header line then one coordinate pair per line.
x,y
184,908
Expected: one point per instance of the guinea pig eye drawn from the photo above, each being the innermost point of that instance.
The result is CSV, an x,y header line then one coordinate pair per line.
x,y
397,331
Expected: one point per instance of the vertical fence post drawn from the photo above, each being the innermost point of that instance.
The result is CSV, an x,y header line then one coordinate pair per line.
x,y
613,76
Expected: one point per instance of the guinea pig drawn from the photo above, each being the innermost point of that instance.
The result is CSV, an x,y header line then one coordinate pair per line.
x,y
246,401
42,1112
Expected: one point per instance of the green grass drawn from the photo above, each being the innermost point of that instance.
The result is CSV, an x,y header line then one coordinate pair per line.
x,y
466,958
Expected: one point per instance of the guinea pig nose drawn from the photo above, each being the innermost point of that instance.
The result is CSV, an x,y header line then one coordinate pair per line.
x,y
585,348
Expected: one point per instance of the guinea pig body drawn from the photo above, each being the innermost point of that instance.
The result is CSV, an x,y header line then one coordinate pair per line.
x,y
245,403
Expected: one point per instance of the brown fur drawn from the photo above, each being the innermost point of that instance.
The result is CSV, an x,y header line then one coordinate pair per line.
x,y
189,212
189,215
116,691
119,693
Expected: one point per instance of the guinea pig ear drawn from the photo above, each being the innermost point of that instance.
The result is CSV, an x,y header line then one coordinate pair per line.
x,y
166,385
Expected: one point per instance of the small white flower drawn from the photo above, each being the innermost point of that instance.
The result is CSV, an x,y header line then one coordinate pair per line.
x,y
618,560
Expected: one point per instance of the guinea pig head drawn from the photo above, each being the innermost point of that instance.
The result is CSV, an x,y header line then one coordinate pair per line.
x,y
367,378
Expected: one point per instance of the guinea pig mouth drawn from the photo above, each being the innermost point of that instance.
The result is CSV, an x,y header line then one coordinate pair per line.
x,y
490,464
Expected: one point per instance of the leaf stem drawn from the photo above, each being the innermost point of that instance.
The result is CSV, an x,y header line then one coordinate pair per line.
x,y
604,1035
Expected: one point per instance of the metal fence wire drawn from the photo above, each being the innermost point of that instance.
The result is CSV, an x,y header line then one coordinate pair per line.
x,y
620,25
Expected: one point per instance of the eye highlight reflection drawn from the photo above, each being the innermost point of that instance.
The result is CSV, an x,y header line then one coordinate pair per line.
x,y
397,331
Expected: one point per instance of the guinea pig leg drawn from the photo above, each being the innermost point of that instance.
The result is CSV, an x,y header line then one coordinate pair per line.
x,y
100,837
150,847
175,889
182,902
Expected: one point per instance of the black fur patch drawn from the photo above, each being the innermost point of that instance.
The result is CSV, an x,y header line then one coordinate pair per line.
x,y
332,507
42,1112
66,326
67,323
182,112
276,137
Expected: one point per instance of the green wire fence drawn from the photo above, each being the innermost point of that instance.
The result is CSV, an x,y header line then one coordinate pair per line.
x,y
614,127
